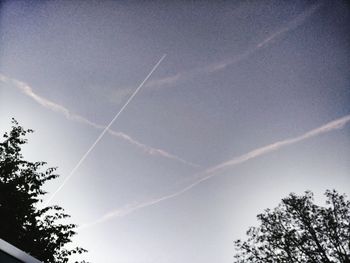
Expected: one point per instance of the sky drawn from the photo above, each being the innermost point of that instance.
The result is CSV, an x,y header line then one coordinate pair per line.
x,y
249,103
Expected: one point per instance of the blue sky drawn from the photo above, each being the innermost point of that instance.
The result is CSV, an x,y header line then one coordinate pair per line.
x,y
219,132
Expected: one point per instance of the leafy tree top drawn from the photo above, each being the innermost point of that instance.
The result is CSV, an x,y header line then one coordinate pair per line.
x,y
298,230
37,231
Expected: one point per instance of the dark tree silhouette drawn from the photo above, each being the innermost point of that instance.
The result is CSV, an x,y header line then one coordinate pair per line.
x,y
300,231
39,232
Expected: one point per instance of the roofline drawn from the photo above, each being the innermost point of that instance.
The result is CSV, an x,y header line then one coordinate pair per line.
x,y
17,253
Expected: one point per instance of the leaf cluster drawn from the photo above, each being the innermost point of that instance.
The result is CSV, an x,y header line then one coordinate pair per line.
x,y
37,231
298,230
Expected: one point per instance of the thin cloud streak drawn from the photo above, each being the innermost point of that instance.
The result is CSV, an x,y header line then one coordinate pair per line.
x,y
330,126
210,172
168,81
171,80
214,171
293,24
48,104
103,132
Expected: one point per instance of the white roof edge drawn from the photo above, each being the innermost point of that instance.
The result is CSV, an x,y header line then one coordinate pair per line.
x,y
17,253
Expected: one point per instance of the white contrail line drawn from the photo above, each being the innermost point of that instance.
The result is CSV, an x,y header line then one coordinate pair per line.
x,y
170,80
291,25
328,127
210,172
298,21
104,131
48,104
213,171
151,150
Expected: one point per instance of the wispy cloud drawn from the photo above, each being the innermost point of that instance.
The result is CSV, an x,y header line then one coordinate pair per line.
x,y
328,127
93,145
215,170
293,24
171,80
160,82
48,104
212,68
117,96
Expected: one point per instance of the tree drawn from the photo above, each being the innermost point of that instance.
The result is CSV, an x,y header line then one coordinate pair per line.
x,y
300,231
37,231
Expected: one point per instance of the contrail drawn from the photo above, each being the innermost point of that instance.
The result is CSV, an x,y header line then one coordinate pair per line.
x,y
214,171
170,80
48,104
293,24
104,131
153,151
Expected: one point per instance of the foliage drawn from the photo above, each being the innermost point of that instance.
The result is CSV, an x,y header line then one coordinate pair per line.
x,y
35,231
300,231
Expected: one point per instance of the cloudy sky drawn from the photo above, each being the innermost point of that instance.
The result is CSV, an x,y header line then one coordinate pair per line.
x,y
250,103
